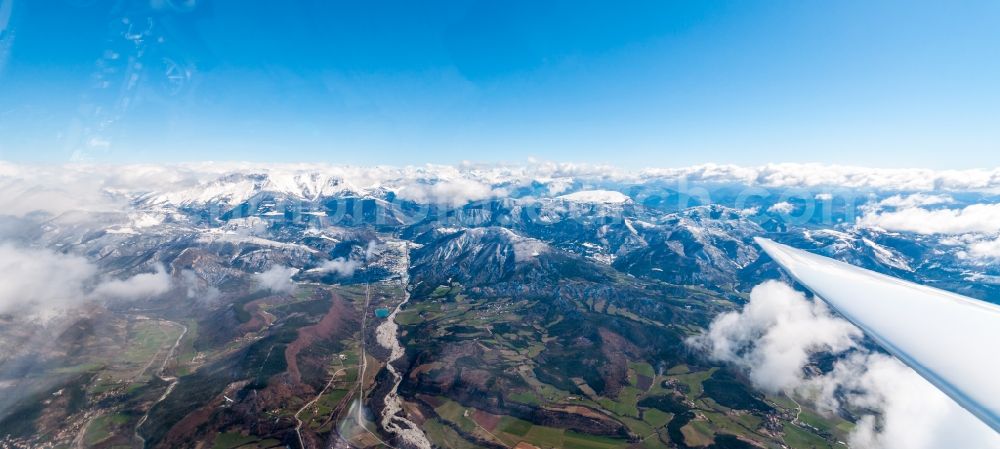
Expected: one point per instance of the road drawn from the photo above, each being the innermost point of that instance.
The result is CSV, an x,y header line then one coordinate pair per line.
x,y
298,427
159,373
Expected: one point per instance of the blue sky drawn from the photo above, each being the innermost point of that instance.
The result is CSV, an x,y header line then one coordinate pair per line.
x,y
661,83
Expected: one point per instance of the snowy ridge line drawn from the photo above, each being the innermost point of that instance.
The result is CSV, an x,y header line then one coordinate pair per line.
x,y
232,183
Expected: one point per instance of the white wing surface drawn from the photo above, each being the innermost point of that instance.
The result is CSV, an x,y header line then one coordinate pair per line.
x,y
951,340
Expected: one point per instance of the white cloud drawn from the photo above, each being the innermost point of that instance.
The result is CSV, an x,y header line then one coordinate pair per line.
x,y
976,218
975,226
91,189
54,191
556,186
340,266
454,191
821,175
143,285
985,249
346,266
45,283
597,196
83,187
39,281
912,413
772,339
197,288
823,196
783,207
774,334
915,200
277,279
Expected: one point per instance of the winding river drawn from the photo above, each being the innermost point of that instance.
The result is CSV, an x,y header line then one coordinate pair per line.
x,y
393,418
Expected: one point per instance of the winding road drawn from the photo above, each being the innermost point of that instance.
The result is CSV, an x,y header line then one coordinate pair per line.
x,y
159,373
298,426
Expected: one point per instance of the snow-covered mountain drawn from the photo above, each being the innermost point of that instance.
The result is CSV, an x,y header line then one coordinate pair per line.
x,y
584,278
681,226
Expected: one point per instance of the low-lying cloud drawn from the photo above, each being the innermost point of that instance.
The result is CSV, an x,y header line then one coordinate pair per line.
x,y
277,279
42,282
783,207
340,266
910,412
915,200
346,266
976,226
452,192
819,175
197,288
976,218
143,285
984,249
58,189
774,335
777,332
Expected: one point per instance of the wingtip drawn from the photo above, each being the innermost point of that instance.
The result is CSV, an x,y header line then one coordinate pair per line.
x,y
906,320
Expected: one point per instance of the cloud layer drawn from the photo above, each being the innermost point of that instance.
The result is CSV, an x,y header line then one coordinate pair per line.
x,y
976,218
821,175
81,187
976,226
777,332
37,280
41,282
